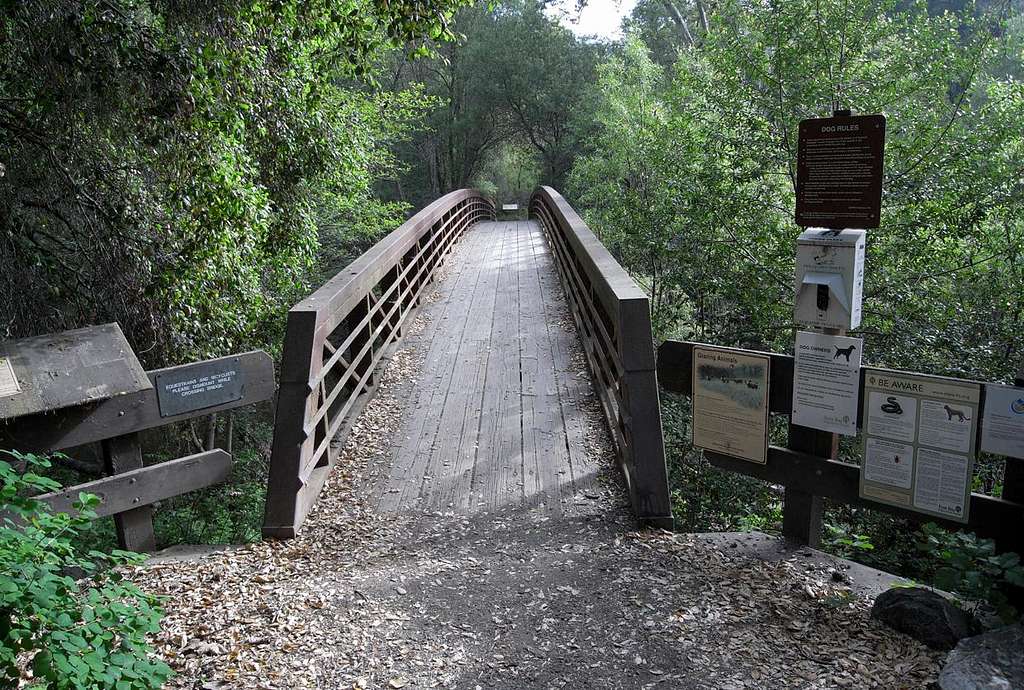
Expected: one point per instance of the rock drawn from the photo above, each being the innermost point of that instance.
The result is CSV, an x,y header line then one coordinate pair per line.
x,y
924,615
992,660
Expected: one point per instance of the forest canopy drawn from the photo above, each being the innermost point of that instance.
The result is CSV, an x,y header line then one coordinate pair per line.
x,y
170,165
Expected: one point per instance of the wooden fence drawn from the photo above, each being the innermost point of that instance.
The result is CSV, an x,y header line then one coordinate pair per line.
x,y
131,489
613,317
808,474
335,341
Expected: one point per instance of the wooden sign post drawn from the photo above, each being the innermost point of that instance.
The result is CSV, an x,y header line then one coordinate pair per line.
x,y
102,395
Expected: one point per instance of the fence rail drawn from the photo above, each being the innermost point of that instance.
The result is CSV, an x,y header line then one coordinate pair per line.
x,y
809,477
131,489
335,341
613,317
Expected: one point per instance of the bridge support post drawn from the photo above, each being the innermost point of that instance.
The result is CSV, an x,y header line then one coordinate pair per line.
x,y
645,445
282,514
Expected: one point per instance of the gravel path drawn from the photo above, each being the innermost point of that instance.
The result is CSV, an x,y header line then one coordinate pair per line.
x,y
516,599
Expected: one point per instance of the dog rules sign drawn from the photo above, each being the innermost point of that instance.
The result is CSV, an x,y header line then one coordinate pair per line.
x,y
839,171
826,382
919,436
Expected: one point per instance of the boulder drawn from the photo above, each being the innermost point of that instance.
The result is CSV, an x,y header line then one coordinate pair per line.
x,y
924,615
992,660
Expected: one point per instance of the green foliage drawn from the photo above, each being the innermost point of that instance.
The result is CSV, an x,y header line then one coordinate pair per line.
x,y
843,543
766,521
519,81
705,498
969,566
691,179
172,167
70,617
230,512
510,174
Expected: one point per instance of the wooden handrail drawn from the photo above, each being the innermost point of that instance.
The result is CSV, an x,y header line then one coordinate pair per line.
x,y
612,315
335,340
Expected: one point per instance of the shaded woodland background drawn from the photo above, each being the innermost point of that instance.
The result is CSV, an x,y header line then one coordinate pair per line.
x,y
190,170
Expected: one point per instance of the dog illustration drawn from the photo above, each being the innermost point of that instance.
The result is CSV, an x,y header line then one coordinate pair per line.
x,y
844,351
892,406
953,412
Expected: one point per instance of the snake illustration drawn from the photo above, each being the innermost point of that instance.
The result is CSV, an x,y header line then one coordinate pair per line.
x,y
892,406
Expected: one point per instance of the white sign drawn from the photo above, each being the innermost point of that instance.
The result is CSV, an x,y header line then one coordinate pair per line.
x,y
730,402
941,481
8,381
919,442
826,382
1002,427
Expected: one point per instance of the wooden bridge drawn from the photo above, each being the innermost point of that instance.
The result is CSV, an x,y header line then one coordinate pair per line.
x,y
495,418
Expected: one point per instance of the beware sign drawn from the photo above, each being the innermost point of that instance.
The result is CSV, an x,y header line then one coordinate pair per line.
x,y
839,172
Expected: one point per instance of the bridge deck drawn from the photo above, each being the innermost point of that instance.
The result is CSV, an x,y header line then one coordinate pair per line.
x,y
494,417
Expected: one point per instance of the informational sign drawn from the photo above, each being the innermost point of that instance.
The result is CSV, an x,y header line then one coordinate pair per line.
x,y
1002,426
826,382
839,172
56,371
206,384
919,436
8,381
730,402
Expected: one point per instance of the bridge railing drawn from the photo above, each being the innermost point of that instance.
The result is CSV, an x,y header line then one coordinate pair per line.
x,y
612,315
334,343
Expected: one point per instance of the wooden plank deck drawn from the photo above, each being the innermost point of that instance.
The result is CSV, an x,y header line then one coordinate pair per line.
x,y
493,419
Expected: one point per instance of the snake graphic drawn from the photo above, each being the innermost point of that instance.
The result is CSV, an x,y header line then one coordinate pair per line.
x,y
892,406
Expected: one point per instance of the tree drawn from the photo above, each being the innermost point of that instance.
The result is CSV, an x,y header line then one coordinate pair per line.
x,y
517,77
170,166
944,284
543,77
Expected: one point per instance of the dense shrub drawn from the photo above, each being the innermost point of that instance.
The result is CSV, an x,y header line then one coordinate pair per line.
x,y
69,620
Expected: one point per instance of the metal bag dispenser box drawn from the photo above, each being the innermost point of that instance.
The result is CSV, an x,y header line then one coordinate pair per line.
x,y
829,278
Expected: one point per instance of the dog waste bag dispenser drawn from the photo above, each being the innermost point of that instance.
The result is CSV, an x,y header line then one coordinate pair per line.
x,y
829,278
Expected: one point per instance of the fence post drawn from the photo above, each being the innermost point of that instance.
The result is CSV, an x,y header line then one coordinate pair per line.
x,y
298,366
642,414
134,527
801,511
